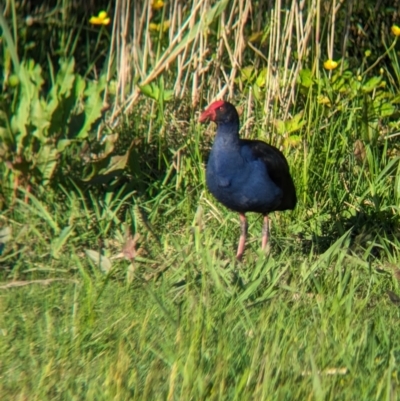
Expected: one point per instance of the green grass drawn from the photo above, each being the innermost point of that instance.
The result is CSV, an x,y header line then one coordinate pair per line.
x,y
89,313
184,320
310,320
282,327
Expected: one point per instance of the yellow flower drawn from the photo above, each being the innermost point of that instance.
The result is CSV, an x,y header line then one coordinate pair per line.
x,y
359,78
157,27
395,30
101,19
330,64
153,26
157,4
367,53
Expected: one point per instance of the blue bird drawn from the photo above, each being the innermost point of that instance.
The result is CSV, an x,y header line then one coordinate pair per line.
x,y
246,175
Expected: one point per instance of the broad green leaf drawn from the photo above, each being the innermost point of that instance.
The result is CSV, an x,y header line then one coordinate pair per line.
x,y
168,94
35,72
290,126
93,106
257,92
371,84
62,114
384,108
46,161
65,77
51,104
305,78
79,87
247,73
18,123
293,140
262,77
280,126
116,163
38,118
150,90
62,144
396,100
339,84
295,123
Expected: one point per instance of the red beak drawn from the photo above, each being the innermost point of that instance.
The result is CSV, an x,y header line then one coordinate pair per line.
x,y
206,116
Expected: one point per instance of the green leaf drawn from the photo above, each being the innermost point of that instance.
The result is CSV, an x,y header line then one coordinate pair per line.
x,y
371,84
280,126
258,93
150,90
46,161
62,144
38,118
168,94
93,106
65,77
295,123
247,73
305,78
35,71
290,126
396,100
262,77
79,86
384,108
116,163
293,140
61,108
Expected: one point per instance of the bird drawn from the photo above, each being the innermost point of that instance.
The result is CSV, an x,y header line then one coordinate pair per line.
x,y
246,175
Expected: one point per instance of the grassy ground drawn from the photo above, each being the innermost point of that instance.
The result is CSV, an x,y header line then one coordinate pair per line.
x,y
185,320
118,277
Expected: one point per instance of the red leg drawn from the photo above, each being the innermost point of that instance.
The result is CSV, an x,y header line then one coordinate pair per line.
x,y
243,234
265,232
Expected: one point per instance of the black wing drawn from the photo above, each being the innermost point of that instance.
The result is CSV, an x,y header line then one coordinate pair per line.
x,y
278,170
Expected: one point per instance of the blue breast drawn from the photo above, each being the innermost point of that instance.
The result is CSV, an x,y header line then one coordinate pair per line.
x,y
239,180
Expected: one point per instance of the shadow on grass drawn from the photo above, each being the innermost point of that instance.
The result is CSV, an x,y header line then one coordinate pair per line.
x,y
364,226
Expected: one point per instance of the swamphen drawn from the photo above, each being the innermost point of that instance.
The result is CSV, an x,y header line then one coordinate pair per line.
x,y
246,175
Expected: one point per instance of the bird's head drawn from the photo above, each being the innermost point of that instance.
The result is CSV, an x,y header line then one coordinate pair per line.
x,y
220,112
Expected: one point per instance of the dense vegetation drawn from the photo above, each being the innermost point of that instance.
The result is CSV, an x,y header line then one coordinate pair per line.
x,y
118,271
